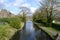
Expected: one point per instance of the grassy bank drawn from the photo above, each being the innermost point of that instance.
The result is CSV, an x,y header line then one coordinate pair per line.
x,y
51,31
8,27
6,31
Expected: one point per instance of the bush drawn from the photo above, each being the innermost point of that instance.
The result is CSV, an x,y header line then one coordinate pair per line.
x,y
15,22
56,26
2,19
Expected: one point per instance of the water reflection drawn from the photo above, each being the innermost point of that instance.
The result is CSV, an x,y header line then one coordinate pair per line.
x,y
29,27
31,32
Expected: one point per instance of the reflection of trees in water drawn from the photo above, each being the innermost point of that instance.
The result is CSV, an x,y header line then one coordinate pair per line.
x,y
16,36
36,34
29,18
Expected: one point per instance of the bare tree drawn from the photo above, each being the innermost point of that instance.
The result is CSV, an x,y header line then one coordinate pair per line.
x,y
47,11
25,11
49,6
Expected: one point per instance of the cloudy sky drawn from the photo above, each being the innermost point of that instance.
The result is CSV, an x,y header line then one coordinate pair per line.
x,y
13,5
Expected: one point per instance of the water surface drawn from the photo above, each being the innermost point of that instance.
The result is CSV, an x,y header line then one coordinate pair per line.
x,y
30,32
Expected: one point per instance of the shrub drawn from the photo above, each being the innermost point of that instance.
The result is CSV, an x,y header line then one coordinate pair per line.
x,y
56,26
15,22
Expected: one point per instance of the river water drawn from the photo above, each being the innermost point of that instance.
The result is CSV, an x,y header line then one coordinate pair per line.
x,y
30,32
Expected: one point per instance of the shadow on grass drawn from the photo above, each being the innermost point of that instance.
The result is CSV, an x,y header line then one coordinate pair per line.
x,y
55,26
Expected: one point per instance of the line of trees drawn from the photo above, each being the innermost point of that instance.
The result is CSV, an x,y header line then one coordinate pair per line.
x,y
47,11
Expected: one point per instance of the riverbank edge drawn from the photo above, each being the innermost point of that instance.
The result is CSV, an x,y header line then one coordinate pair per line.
x,y
48,33
22,25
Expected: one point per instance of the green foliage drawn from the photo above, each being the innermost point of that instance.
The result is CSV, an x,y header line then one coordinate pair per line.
x,y
39,16
45,12
15,22
3,19
56,26
7,30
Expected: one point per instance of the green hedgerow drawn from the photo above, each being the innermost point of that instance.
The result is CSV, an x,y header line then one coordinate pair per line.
x,y
15,22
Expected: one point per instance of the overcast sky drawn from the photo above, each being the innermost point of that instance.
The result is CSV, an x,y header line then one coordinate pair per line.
x,y
13,5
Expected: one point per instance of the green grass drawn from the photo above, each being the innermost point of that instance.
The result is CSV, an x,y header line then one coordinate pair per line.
x,y
52,29
46,30
22,25
50,34
6,32
12,25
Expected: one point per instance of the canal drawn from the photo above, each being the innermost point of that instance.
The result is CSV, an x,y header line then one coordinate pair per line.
x,y
30,32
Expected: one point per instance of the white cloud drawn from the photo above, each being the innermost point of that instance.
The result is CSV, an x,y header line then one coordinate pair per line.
x,y
8,5
1,1
25,5
38,0
33,9
14,3
5,3
17,2
2,5
12,12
